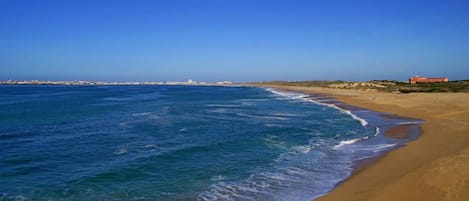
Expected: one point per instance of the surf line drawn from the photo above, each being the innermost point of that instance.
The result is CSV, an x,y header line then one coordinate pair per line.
x,y
300,96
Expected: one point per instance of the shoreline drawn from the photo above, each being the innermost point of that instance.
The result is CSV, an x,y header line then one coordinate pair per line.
x,y
433,167
397,130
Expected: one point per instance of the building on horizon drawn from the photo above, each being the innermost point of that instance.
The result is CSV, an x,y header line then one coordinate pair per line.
x,y
418,79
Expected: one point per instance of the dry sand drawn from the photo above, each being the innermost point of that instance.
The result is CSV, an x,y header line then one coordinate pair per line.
x,y
433,167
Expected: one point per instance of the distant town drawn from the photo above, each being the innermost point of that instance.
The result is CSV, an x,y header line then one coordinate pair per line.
x,y
81,82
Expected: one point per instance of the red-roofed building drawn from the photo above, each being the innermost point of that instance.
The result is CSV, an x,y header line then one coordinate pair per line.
x,y
418,79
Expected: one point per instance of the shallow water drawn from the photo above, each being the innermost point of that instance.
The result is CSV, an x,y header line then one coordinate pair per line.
x,y
178,143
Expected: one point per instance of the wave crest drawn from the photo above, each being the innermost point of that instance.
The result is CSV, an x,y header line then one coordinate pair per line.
x,y
304,97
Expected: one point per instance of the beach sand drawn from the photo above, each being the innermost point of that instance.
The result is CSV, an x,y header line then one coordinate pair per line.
x,y
433,167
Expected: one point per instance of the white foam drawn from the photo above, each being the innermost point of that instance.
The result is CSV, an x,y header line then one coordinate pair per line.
x,y
219,110
217,178
377,148
410,122
297,167
303,148
253,99
274,125
296,171
352,141
153,117
290,95
21,198
261,117
297,96
247,104
287,114
277,176
120,151
150,146
222,105
270,141
146,148
376,131
346,142
141,114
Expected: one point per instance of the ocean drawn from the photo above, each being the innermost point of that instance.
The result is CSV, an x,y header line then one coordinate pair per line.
x,y
181,143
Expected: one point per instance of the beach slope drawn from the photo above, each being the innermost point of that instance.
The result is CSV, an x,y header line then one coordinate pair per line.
x,y
433,167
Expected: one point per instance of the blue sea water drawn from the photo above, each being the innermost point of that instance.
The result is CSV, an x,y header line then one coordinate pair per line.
x,y
178,143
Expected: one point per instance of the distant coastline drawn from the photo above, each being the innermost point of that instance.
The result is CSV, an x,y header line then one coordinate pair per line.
x,y
84,82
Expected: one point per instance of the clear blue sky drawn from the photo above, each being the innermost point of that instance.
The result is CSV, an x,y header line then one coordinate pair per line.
x,y
238,40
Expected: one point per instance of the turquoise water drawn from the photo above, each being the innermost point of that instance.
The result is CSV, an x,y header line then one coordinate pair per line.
x,y
177,143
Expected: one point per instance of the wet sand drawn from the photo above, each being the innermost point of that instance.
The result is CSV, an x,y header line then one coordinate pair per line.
x,y
433,167
398,132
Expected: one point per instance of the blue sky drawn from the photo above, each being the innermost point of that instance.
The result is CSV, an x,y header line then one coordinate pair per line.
x,y
238,40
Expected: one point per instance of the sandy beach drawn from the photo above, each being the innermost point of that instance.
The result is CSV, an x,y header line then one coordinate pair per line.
x,y
433,167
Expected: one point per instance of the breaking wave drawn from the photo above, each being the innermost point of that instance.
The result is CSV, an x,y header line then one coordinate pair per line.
x,y
304,97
